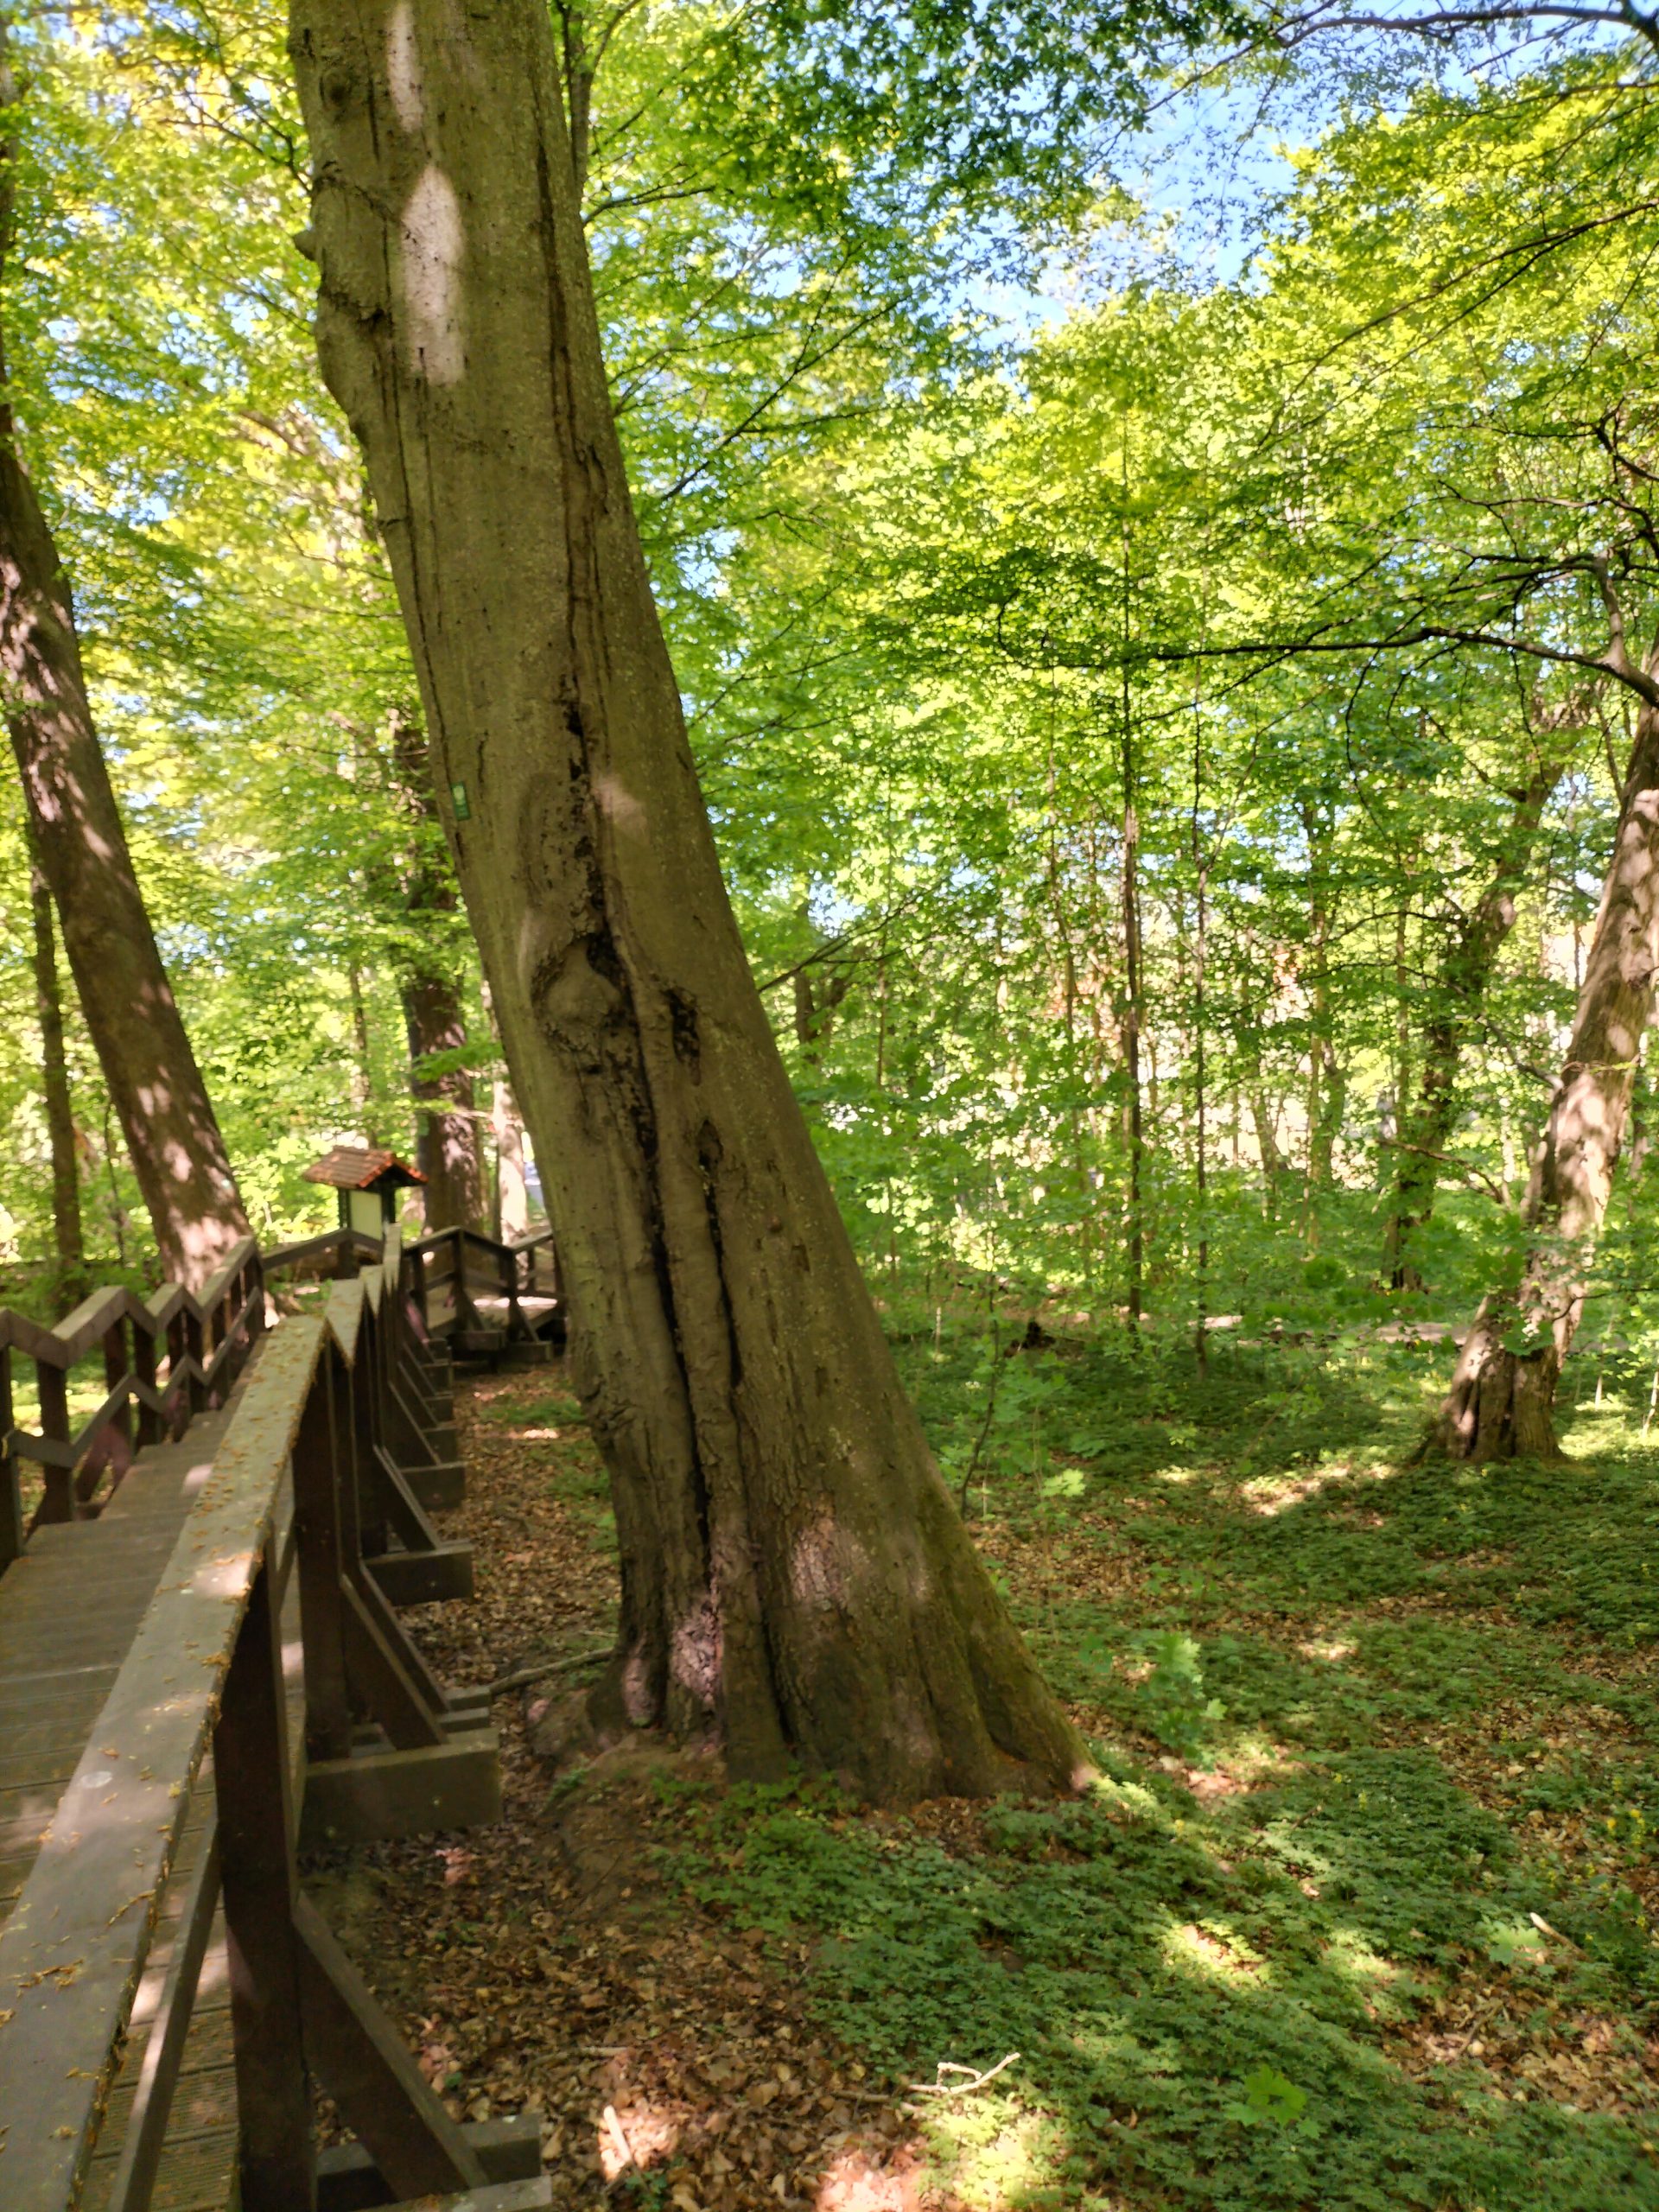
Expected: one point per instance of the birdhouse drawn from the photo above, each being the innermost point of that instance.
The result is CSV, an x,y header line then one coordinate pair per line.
x,y
368,1182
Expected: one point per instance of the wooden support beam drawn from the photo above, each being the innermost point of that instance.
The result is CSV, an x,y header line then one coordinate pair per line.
x,y
422,1578
391,1693
383,2096
141,2147
396,1505
374,1794
397,1639
508,2149
439,1485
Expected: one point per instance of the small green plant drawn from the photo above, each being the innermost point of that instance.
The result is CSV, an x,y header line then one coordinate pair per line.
x,y
1180,1713
1268,2099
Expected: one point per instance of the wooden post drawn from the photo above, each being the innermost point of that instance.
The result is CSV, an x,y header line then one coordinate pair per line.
x,y
143,1370
196,1350
363,1529
321,1468
260,1893
112,1447
11,1503
58,1496
179,1401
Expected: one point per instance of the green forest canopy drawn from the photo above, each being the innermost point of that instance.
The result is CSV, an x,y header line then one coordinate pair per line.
x,y
1284,529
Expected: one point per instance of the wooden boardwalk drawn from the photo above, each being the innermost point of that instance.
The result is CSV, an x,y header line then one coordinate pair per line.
x,y
69,1608
185,2076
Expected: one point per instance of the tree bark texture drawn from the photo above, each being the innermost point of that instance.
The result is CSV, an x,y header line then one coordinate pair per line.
x,y
1465,971
447,1148
795,1578
449,1133
178,1154
1501,1404
68,1243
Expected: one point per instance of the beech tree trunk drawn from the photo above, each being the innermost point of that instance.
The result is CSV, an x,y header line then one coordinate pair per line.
x,y
69,1247
1464,973
1501,1404
447,1148
177,1151
796,1580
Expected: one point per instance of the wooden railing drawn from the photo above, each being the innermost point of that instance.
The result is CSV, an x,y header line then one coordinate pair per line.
x,y
460,1267
173,1354
164,1359
310,1438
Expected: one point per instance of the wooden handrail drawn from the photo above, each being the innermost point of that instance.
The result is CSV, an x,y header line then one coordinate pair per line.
x,y
168,1355
75,1945
68,1962
204,1338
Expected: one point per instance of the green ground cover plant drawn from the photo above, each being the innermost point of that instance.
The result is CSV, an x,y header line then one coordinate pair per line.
x,y
1356,1915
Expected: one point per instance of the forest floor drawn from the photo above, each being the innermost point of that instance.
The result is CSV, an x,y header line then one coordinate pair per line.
x,y
1358,1916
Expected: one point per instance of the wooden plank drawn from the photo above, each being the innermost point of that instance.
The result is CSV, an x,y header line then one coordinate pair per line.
x,y
373,1794
71,1950
417,1578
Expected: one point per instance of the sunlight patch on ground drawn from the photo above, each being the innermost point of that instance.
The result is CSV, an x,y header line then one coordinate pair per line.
x,y
1210,1949
638,2135
1331,1649
996,2154
1271,1494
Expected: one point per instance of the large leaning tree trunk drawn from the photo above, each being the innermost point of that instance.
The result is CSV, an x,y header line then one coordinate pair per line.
x,y
1466,969
796,1581
1501,1404
177,1151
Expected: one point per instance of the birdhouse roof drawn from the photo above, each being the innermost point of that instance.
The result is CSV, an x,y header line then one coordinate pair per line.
x,y
359,1167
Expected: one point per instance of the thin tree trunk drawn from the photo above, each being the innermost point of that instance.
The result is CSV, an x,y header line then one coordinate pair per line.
x,y
362,1062
449,1133
795,1578
1200,1102
511,1191
1465,971
172,1136
1325,1082
1266,1119
1501,1404
68,1243
1132,1013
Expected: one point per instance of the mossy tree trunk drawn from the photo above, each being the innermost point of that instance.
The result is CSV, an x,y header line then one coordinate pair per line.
x,y
795,1578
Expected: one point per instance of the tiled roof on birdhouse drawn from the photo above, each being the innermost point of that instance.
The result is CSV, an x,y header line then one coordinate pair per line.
x,y
357,1167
